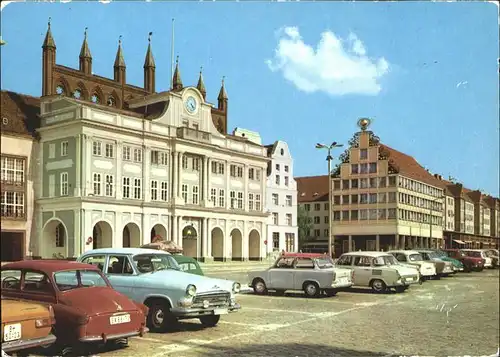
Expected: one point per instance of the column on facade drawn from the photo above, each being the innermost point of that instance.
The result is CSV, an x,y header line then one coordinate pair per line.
x,y
78,182
228,186
377,242
88,167
206,180
173,176
402,244
204,238
119,163
349,241
179,231
245,188
173,229
396,241
117,231
263,189
179,173
146,174
245,244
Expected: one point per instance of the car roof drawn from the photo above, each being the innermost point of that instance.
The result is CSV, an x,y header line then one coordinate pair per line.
x,y
404,251
303,255
132,251
368,253
49,266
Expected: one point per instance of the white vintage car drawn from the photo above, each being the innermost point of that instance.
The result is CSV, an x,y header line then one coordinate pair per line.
x,y
308,272
427,269
379,270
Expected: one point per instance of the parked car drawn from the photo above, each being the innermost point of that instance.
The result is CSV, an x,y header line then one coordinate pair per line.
x,y
470,263
87,309
26,324
480,253
154,278
309,272
442,268
379,270
427,269
188,264
493,254
457,264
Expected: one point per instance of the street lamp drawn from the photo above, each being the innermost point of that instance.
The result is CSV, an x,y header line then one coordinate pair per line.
x,y
329,158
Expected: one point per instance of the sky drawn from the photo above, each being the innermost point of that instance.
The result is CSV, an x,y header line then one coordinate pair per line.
x,y
425,72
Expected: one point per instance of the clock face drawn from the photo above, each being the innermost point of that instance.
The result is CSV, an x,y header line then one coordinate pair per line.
x,y
191,104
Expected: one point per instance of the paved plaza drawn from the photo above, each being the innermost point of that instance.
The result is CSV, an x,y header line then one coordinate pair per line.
x,y
453,316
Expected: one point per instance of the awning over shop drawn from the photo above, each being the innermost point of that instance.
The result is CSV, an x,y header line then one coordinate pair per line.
x,y
458,241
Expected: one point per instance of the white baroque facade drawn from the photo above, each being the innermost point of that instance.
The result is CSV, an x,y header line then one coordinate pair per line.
x,y
112,178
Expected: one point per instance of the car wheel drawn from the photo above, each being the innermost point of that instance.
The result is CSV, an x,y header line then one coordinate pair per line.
x,y
259,287
311,289
378,286
210,320
160,319
331,292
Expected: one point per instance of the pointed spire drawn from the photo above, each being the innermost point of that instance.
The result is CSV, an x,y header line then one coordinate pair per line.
x,y
222,92
85,52
201,85
149,61
119,60
49,40
177,81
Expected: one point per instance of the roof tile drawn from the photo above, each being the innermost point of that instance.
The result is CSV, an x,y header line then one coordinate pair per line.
x,y
20,113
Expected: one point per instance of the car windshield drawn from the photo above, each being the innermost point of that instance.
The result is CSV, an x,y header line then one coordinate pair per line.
x,y
78,279
385,260
147,263
473,254
415,258
440,253
324,263
432,255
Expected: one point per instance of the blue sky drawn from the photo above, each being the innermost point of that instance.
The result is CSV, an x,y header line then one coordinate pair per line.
x,y
302,72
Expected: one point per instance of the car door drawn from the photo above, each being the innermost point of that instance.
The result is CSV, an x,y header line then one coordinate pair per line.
x,y
120,272
303,270
362,270
281,275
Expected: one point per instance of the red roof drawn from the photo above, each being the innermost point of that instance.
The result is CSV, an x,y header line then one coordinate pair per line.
x,y
303,255
20,113
49,266
312,188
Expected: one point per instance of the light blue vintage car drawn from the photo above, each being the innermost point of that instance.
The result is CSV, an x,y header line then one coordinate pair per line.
x,y
154,278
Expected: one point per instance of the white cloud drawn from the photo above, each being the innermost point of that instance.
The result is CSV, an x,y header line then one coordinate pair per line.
x,y
337,66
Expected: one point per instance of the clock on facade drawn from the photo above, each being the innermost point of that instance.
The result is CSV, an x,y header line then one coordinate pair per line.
x,y
190,104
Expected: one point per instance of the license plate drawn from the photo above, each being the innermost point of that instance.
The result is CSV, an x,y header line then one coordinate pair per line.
x,y
220,311
12,332
119,319
343,280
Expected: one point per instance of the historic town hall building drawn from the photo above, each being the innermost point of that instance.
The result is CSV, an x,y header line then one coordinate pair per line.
x,y
120,164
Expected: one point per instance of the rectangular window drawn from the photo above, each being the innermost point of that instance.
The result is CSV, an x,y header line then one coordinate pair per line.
x,y
363,168
240,200
257,174
109,151
286,168
232,197
354,183
391,197
13,171
184,162
382,181
275,198
317,206
137,155
345,184
64,184
354,198
196,164
372,168
316,219
354,215
354,169
381,197
276,241
345,199
336,200
392,181
251,173
373,182
164,191
363,198
345,215
159,158
325,232
222,198
64,148
109,185
52,151
363,183
336,215
372,198
288,219
195,198
213,196
277,179
275,218
126,153
97,148
326,219
307,206
286,181
391,213
325,206
96,184
289,200
137,188
363,154
213,166
126,187
184,192
250,201
277,167
373,213
363,214
12,204
258,202
154,190
336,185
317,232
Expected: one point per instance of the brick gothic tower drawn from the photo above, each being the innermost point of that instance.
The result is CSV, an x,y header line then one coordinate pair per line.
x,y
222,98
85,57
149,69
119,67
48,63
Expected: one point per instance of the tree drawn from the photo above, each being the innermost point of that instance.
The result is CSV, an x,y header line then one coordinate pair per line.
x,y
304,223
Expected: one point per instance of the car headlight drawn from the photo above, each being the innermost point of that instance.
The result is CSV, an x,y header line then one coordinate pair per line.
x,y
236,287
191,290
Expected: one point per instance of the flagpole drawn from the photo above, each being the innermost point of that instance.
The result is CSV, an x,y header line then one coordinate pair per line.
x,y
172,58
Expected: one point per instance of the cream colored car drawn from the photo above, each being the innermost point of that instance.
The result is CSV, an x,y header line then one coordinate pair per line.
x,y
412,257
378,270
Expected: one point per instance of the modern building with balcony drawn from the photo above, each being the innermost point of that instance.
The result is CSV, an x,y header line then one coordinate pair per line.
x,y
122,165
19,117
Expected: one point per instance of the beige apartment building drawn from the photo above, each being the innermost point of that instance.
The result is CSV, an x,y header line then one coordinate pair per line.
x,y
19,118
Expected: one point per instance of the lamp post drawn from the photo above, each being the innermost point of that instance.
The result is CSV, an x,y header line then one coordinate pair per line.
x,y
329,158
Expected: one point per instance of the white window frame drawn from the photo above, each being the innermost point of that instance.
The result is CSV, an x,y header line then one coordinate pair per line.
x,y
64,148
195,194
289,200
241,202
164,191
109,150
258,202
15,200
222,197
184,192
213,195
195,164
97,184
275,218
250,201
109,182
64,177
126,187
126,153
275,199
137,188
97,148
154,190
52,151
13,170
137,154
232,199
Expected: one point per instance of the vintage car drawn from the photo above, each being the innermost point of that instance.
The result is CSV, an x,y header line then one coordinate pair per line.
x,y
493,254
26,324
379,270
308,272
480,253
188,264
427,269
86,308
442,268
470,263
457,264
154,278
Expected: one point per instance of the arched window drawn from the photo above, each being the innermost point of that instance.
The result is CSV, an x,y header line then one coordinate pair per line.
x,y
111,101
95,98
60,90
77,94
60,236
282,152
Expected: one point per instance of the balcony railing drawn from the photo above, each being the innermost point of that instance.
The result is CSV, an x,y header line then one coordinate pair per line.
x,y
193,134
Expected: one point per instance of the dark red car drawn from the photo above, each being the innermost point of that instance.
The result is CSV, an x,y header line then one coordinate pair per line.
x,y
87,309
470,263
